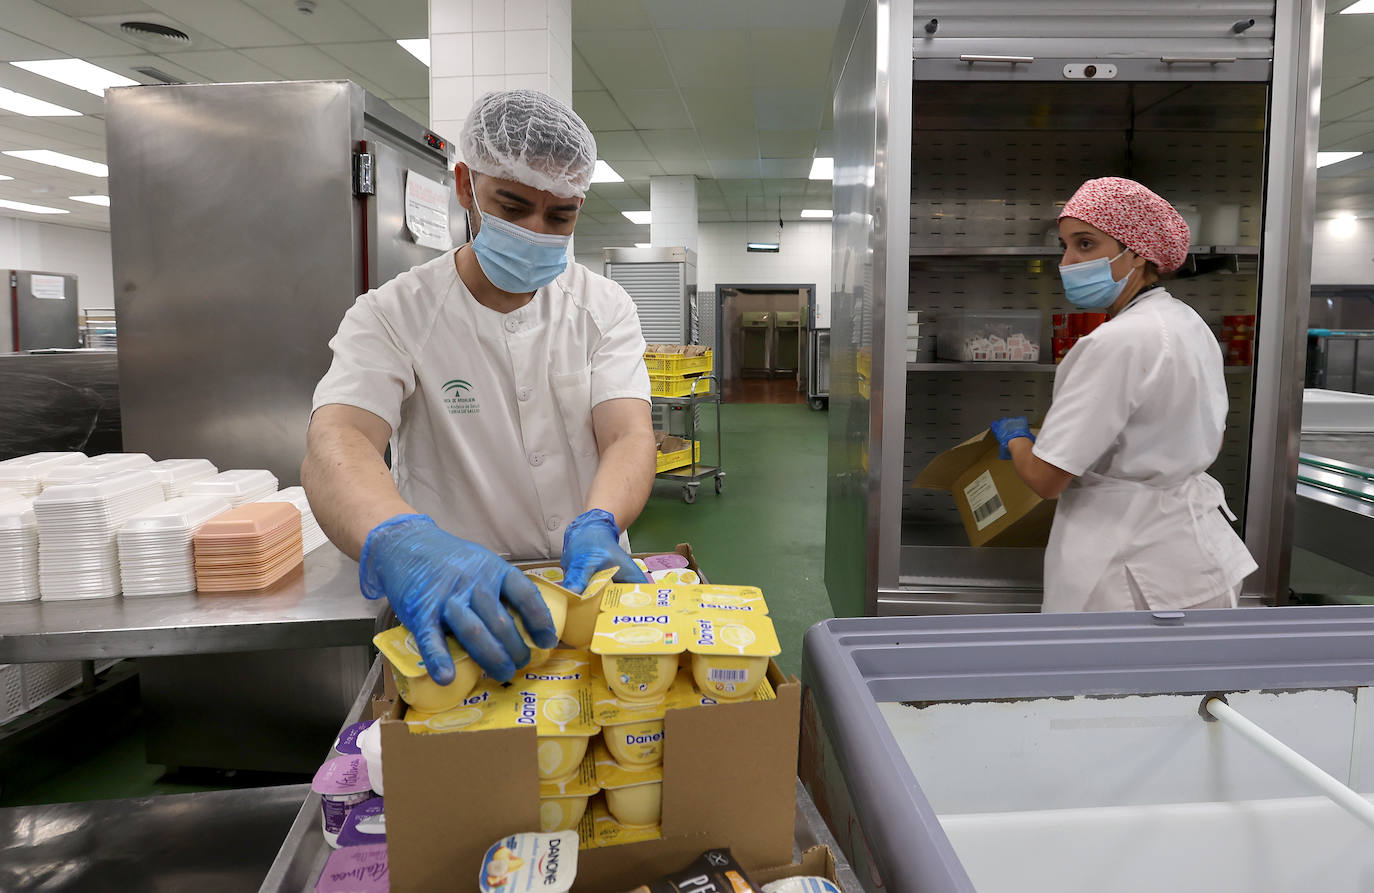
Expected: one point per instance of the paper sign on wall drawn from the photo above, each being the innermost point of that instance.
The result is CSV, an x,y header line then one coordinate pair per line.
x,y
427,212
49,288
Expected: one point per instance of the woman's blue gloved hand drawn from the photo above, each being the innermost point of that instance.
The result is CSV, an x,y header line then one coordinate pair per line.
x,y
591,544
436,582
1007,430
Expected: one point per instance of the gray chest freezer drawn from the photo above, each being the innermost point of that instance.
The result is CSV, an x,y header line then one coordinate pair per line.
x,y
1066,753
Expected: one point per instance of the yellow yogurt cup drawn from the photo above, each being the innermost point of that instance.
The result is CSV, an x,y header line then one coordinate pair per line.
x,y
636,744
728,678
561,813
639,678
636,804
730,653
558,610
413,681
560,756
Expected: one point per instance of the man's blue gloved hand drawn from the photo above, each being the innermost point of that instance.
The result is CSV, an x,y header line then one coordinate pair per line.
x,y
436,581
591,544
1007,430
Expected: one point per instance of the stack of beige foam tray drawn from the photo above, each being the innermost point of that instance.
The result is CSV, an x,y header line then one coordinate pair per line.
x,y
25,474
248,548
177,475
240,486
155,554
18,551
77,528
312,537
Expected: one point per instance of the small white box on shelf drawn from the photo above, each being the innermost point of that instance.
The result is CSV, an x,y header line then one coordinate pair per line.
x,y
976,336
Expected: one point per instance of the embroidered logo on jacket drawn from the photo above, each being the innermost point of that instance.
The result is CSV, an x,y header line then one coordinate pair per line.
x,y
457,398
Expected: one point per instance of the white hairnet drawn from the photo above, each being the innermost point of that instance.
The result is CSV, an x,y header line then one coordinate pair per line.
x,y
532,138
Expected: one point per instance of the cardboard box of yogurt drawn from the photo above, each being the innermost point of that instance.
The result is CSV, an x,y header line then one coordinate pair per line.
x,y
996,506
729,779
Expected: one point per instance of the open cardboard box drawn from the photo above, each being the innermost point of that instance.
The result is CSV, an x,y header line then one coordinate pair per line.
x,y
818,861
996,506
729,780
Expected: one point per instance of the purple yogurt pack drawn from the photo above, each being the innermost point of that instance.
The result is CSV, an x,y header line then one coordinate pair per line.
x,y
355,869
347,742
365,825
668,562
342,784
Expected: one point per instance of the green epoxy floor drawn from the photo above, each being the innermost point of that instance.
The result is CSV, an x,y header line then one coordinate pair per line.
x,y
767,529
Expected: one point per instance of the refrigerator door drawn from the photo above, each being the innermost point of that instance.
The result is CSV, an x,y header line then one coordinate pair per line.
x,y
392,247
44,310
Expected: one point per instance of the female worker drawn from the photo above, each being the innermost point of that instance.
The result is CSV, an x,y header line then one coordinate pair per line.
x,y
1137,418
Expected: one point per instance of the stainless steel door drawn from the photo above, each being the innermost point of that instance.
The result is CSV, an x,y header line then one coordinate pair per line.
x,y
391,248
44,318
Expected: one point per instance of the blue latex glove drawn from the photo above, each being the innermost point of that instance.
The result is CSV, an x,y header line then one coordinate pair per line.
x,y
1007,430
591,544
434,581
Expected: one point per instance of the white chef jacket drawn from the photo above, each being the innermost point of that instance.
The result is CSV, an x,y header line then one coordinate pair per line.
x,y
1138,414
491,413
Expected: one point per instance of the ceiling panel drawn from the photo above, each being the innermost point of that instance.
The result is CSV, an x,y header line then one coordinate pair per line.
x,y
583,76
621,145
599,110
729,143
14,48
789,168
625,58
331,22
385,64
802,14
717,108
1332,86
61,32
708,58
231,22
790,58
1334,136
1349,102
396,18
638,170
48,90
786,108
50,130
125,65
667,15
1346,53
224,66
304,63
653,109
609,15
1362,143
670,146
787,143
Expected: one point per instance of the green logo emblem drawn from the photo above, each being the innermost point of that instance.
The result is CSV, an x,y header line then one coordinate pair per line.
x,y
457,398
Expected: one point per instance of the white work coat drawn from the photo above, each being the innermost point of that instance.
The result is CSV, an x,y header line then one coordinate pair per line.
x,y
491,413
1138,414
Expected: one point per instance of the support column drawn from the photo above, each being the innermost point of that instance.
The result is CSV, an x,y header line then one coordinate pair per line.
x,y
478,46
673,206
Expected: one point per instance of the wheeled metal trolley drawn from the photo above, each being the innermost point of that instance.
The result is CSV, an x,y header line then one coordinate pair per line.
x,y
691,475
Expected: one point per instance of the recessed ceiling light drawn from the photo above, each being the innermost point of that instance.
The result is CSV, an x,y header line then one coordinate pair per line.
x,y
1325,158
57,159
1359,7
77,73
604,173
417,47
102,200
822,168
34,108
640,217
644,244
817,214
32,209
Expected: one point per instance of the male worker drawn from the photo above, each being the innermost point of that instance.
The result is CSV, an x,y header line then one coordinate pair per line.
x,y
511,385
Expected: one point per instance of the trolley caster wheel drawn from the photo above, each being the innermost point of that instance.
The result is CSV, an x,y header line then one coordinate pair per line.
x,y
720,484
818,403
689,495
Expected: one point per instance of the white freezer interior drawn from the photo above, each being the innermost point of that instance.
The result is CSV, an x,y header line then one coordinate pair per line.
x,y
1139,793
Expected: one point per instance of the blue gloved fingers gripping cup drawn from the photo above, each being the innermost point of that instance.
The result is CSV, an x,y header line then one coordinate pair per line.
x,y
480,641
530,609
487,606
591,544
1007,430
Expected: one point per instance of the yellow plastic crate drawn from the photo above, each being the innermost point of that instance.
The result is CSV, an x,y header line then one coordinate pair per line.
x,y
677,386
679,458
676,364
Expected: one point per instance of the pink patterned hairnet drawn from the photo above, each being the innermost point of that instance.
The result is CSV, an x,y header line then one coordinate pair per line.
x,y
1135,217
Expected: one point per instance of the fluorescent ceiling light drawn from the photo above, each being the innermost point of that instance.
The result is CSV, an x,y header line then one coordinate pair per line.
x,y
644,244
102,200
772,247
32,209
822,168
1344,225
604,173
34,108
817,214
417,47
640,217
1359,7
1325,158
3,177
77,73
57,159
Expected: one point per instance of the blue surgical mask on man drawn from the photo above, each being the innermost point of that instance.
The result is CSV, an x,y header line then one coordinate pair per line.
x,y
515,259
1090,286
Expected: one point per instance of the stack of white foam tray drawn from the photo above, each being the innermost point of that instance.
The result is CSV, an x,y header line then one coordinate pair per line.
x,y
177,475
18,551
312,537
155,554
240,486
95,467
77,527
26,473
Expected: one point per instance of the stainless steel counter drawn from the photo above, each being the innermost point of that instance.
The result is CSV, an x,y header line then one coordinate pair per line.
x,y
319,606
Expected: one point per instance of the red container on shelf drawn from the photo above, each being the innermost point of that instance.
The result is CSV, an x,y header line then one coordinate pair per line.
x,y
1061,324
1062,345
1240,352
1238,328
1090,321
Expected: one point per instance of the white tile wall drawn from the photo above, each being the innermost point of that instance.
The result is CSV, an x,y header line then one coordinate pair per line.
x,y
803,258
29,245
1341,257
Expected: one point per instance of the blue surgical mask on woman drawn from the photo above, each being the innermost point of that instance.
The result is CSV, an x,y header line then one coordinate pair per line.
x,y
516,259
1090,286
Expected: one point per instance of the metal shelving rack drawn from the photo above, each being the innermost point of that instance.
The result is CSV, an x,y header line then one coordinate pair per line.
x,y
959,126
690,476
